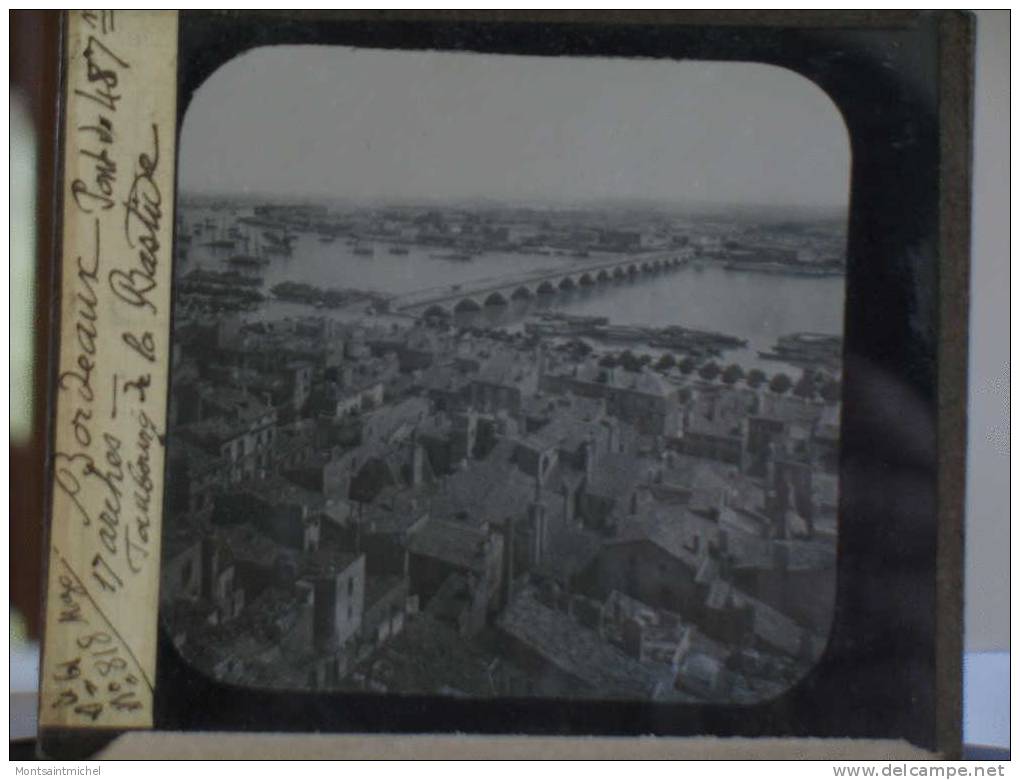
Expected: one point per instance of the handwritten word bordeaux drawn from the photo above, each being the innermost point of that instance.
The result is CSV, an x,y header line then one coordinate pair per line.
x,y
107,476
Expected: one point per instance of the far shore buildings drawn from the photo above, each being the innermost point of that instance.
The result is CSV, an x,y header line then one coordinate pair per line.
x,y
400,508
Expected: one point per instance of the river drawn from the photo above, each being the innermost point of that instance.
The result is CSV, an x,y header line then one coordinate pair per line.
x,y
758,307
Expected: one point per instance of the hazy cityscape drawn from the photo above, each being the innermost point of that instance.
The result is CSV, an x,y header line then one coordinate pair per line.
x,y
523,381
468,490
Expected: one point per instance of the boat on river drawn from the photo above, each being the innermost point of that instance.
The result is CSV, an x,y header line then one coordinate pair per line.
x,y
788,269
807,349
247,261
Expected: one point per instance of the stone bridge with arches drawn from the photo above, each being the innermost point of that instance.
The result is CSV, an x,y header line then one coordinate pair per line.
x,y
473,296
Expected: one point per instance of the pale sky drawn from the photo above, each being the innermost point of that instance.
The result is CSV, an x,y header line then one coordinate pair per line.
x,y
364,124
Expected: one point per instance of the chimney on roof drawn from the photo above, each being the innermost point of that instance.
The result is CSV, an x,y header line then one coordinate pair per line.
x,y
780,556
507,583
210,566
417,461
568,503
723,542
590,456
539,527
325,605
633,637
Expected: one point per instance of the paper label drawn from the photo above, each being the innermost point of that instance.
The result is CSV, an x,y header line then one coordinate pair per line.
x,y
109,420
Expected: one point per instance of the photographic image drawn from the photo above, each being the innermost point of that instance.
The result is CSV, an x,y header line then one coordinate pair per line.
x,y
501,376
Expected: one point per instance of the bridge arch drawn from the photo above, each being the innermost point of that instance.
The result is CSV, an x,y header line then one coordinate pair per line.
x,y
542,284
435,310
467,304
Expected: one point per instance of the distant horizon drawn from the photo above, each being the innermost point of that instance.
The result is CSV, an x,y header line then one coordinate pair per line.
x,y
377,126
673,208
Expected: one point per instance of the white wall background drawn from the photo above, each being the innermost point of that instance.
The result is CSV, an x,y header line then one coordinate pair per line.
x,y
986,591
